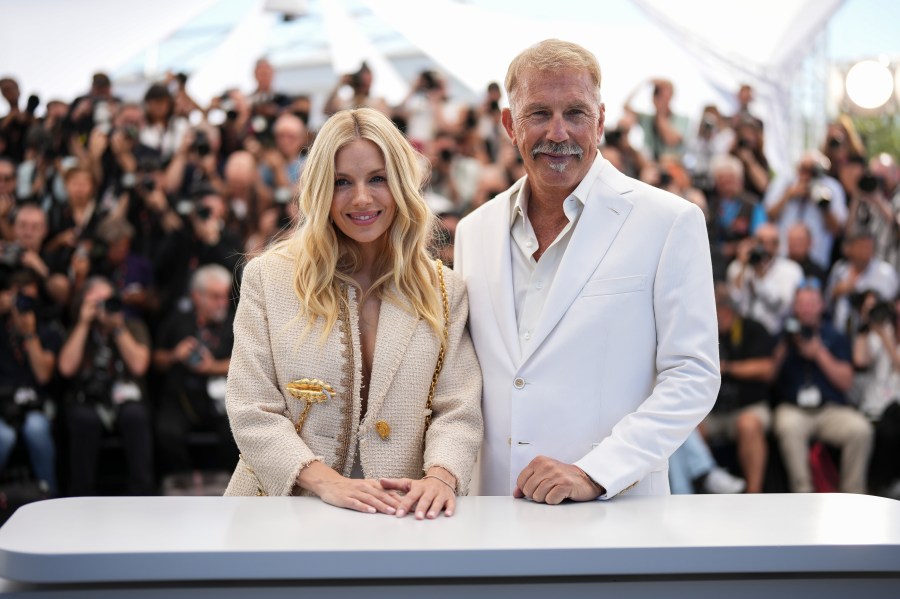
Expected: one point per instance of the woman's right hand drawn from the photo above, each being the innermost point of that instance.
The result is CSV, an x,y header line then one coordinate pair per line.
x,y
362,495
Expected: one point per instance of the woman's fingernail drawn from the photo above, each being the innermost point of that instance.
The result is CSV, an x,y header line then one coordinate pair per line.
x,y
391,510
400,512
431,514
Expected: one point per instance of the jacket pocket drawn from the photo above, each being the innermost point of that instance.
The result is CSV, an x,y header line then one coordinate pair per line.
x,y
614,286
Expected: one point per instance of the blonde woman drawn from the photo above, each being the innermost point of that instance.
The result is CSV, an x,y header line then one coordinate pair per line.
x,y
341,331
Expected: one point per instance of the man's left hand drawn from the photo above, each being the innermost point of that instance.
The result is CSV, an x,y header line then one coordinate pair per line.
x,y
546,480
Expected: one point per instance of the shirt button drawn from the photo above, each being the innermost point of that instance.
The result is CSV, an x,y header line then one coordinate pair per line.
x,y
539,284
519,383
527,336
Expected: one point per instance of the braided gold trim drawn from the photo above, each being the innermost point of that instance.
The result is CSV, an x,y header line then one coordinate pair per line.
x,y
348,381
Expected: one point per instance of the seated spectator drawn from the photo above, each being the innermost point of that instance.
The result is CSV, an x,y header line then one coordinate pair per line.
x,y
105,359
193,353
762,283
815,373
812,198
741,412
859,272
27,361
798,243
693,469
876,353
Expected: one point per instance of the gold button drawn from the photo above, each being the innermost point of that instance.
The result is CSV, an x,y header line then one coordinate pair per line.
x,y
519,383
383,429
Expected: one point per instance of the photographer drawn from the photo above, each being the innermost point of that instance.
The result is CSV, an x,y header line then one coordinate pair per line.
x,y
799,242
202,240
7,196
131,275
870,206
813,360
105,358
282,164
27,362
29,232
748,148
193,354
76,220
15,125
353,90
762,283
876,352
194,163
812,198
664,131
427,109
163,130
736,213
860,271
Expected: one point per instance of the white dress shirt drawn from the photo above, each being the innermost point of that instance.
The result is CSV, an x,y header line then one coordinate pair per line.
x,y
532,279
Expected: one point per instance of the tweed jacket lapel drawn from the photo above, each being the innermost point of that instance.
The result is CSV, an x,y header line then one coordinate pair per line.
x,y
396,326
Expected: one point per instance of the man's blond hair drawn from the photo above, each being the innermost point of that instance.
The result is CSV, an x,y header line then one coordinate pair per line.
x,y
552,55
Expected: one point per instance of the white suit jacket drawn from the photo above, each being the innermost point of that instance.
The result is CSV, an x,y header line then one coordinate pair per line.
x,y
624,361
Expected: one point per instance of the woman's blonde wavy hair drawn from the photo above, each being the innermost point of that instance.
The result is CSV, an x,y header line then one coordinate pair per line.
x,y
325,258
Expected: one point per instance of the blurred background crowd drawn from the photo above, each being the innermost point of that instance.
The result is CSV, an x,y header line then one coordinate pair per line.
x,y
124,226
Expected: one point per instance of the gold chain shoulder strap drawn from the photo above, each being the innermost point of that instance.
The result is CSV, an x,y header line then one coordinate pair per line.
x,y
440,360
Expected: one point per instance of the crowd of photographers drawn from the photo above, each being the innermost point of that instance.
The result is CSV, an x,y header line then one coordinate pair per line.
x,y
124,225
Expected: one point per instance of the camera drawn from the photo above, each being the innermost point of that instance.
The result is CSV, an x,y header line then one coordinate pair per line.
x,y
758,255
869,183
203,212
881,312
200,145
792,326
196,355
33,103
113,305
708,124
25,303
613,137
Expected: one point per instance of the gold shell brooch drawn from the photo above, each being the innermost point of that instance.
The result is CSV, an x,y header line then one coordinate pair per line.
x,y
311,391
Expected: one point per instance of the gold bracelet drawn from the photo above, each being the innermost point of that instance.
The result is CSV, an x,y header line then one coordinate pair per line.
x,y
452,488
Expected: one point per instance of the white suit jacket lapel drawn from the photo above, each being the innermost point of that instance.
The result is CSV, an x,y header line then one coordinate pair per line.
x,y
604,213
498,266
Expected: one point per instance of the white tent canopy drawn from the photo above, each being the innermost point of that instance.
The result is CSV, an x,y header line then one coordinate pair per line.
x,y
706,48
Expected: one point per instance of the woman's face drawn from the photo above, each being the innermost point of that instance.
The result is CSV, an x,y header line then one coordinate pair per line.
x,y
362,208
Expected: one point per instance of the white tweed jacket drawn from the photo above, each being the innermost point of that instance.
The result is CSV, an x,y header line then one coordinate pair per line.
x,y
270,352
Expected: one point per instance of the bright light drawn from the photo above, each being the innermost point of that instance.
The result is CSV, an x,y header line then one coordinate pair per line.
x,y
869,84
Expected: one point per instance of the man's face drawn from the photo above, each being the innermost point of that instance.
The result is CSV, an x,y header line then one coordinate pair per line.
x,y
80,187
264,75
808,307
30,228
213,302
556,123
798,244
767,237
729,184
860,252
290,139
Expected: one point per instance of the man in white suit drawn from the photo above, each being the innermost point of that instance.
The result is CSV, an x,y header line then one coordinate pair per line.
x,y
591,302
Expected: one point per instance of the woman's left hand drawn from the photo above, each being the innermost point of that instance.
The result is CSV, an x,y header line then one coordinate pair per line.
x,y
427,496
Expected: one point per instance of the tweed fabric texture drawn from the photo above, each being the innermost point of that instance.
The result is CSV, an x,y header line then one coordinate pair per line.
x,y
270,351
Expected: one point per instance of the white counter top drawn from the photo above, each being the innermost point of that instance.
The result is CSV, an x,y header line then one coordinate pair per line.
x,y
161,539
